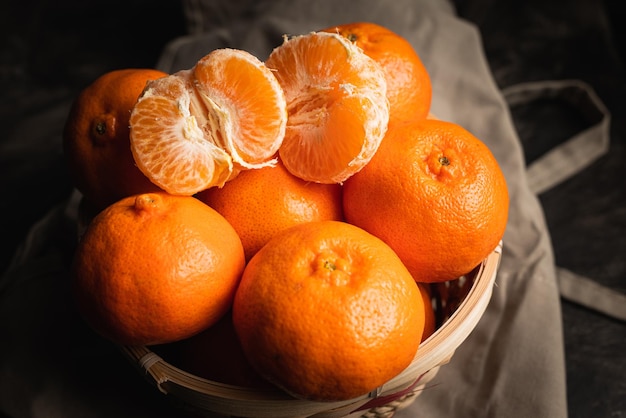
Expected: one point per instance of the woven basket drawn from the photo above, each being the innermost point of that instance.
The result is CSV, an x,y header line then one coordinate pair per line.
x,y
459,305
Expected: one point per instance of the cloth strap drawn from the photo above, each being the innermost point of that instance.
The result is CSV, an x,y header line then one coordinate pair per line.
x,y
565,161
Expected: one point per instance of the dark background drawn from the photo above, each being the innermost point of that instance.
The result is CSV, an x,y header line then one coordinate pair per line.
x,y
50,50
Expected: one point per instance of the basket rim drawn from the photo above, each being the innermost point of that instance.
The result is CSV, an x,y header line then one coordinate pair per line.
x,y
227,399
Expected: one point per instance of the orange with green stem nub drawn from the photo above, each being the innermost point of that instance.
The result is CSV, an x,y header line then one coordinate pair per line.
x,y
436,194
327,311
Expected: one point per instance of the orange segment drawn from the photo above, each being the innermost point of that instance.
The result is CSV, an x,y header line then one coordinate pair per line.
x,y
168,145
238,86
197,128
336,103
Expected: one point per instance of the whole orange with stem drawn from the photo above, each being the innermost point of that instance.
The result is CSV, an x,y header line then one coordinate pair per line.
x,y
155,268
96,142
436,194
336,104
327,311
261,203
409,89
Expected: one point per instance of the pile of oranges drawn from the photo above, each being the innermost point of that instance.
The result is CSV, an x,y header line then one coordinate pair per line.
x,y
278,222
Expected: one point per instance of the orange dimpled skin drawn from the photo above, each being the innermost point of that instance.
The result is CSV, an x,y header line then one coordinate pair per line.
x,y
156,268
234,81
96,142
262,202
435,194
327,311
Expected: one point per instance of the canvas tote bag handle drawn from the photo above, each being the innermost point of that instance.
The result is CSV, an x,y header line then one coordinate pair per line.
x,y
563,162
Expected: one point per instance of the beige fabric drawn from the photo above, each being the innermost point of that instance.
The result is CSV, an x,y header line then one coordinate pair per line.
x,y
512,365
566,160
578,152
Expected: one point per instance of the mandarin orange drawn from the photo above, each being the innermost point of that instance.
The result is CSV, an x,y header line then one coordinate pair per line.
x,y
336,102
327,311
409,88
156,268
96,141
197,128
435,194
263,202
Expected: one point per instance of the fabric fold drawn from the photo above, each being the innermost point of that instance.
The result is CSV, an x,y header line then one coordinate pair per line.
x,y
512,365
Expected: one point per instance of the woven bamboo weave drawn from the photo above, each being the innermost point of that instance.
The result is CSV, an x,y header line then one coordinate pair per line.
x,y
459,305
